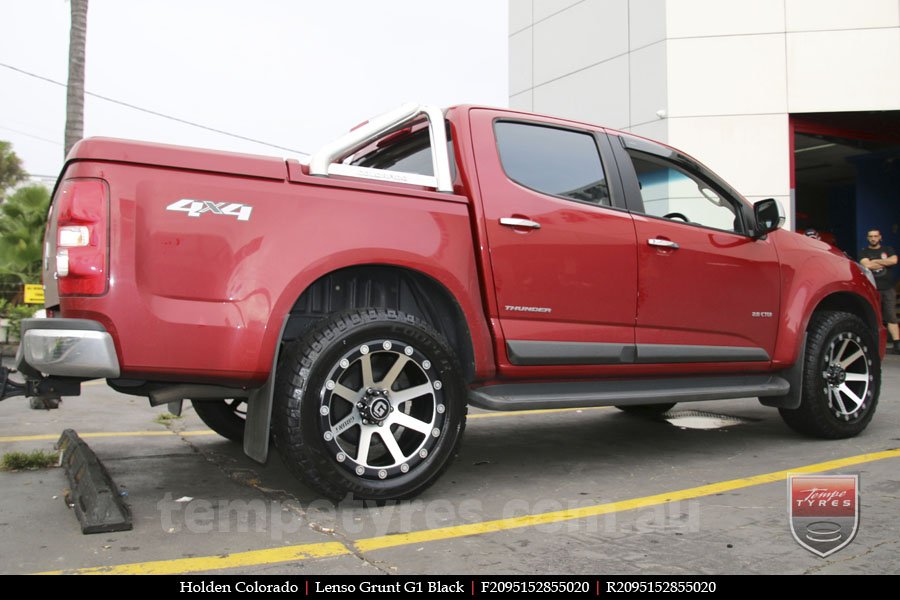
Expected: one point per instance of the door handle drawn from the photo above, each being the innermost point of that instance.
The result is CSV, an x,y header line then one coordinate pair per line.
x,y
663,243
515,222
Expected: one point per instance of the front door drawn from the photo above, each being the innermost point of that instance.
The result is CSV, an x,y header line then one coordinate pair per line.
x,y
561,242
708,292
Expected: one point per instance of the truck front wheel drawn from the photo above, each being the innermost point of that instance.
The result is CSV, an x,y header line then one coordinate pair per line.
x,y
841,378
371,403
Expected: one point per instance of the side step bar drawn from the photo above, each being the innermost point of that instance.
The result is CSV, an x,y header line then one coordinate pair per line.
x,y
581,394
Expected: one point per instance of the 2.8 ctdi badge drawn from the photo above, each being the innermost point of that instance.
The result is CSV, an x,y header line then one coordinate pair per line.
x,y
824,511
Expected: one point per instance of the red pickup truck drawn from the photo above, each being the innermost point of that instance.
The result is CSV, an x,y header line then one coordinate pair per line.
x,y
352,306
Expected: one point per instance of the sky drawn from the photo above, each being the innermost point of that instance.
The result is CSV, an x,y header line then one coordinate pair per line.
x,y
293,73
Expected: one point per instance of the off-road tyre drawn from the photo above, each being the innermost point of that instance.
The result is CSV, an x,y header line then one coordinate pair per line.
x,y
334,387
841,378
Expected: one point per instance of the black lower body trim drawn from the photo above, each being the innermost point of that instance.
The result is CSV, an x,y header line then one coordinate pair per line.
x,y
533,353
526,353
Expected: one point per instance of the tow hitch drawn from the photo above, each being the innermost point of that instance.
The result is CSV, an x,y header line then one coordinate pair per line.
x,y
44,388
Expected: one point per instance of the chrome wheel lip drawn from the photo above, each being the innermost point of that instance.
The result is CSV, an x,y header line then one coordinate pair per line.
x,y
333,391
847,377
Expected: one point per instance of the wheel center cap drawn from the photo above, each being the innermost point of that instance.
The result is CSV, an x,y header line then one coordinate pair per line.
x,y
374,407
835,375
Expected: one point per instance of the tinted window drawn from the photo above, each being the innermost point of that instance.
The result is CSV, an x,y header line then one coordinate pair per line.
x,y
553,161
671,192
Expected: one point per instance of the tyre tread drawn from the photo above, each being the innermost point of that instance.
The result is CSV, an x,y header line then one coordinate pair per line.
x,y
812,418
296,365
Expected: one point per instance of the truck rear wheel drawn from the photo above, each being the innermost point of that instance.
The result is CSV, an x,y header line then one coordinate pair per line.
x,y
226,417
371,403
841,378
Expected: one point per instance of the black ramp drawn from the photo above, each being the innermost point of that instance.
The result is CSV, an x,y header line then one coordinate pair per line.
x,y
95,496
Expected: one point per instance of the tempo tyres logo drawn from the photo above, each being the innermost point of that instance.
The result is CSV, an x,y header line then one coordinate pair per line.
x,y
824,511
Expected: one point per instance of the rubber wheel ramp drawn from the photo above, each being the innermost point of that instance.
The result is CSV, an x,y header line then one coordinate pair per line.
x,y
96,499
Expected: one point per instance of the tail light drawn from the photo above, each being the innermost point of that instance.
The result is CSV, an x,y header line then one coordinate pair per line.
x,y
81,242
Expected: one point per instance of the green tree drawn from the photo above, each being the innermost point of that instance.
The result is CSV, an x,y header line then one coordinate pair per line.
x,y
11,171
23,217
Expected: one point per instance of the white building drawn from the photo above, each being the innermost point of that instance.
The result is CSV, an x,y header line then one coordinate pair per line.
x,y
793,99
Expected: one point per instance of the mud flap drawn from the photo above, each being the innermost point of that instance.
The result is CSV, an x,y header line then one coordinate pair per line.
x,y
794,376
259,417
259,410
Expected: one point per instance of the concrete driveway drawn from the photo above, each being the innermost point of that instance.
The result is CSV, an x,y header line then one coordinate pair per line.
x,y
575,491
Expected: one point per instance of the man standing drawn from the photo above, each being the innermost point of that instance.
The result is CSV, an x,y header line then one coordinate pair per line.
x,y
879,259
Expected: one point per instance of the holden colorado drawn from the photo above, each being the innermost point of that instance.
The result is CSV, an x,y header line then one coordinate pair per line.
x,y
350,307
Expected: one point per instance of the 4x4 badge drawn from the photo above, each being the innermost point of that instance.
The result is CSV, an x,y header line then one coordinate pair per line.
x,y
195,208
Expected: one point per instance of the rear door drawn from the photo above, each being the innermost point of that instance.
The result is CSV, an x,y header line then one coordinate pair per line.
x,y
709,293
561,242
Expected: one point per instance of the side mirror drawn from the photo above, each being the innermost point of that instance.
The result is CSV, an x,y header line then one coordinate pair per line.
x,y
768,215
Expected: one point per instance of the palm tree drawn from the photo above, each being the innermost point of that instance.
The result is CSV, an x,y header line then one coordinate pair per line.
x,y
75,89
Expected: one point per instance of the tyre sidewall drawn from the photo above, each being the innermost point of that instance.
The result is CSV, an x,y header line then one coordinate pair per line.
x,y
327,351
816,402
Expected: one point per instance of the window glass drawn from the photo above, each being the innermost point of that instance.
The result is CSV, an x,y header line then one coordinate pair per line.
x,y
404,151
671,192
553,161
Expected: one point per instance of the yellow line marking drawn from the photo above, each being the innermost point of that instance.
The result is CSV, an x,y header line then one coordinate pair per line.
x,y
328,549
211,563
543,411
105,434
445,533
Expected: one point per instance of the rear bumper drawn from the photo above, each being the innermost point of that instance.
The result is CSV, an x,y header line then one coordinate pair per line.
x,y
66,348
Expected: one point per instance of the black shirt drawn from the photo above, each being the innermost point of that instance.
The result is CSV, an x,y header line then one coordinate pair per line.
x,y
883,278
